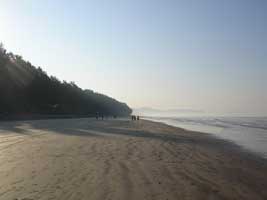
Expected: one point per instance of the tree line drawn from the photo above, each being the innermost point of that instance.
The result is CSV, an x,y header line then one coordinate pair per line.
x,y
27,89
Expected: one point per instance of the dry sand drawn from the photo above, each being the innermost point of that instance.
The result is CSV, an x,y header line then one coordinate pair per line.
x,y
120,159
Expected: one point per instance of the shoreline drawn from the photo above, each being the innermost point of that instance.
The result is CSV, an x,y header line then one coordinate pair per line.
x,y
228,145
118,159
233,135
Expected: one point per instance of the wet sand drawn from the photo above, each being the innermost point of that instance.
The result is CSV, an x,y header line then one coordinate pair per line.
x,y
120,159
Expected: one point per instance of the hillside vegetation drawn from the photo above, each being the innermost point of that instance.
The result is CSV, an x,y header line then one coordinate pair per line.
x,y
26,89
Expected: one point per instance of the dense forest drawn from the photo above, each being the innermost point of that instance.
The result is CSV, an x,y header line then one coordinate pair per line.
x,y
26,89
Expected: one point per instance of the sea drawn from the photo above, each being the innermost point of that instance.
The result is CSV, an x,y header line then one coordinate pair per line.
x,y
248,132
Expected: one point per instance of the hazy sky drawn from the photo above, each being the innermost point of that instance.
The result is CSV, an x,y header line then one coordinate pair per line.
x,y
208,55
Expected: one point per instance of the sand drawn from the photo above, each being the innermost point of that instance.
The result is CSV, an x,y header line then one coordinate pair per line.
x,y
120,159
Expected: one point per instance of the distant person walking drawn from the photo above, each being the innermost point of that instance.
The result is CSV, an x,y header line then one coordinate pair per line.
x,y
134,118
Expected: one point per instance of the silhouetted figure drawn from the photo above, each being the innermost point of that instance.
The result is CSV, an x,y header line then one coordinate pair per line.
x,y
137,117
102,116
133,117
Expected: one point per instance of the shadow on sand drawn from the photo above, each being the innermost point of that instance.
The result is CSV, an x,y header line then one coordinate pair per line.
x,y
98,128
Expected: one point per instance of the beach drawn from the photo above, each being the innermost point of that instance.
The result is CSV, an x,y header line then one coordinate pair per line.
x,y
122,159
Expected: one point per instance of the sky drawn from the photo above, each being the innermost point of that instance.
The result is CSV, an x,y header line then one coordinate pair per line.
x,y
208,55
